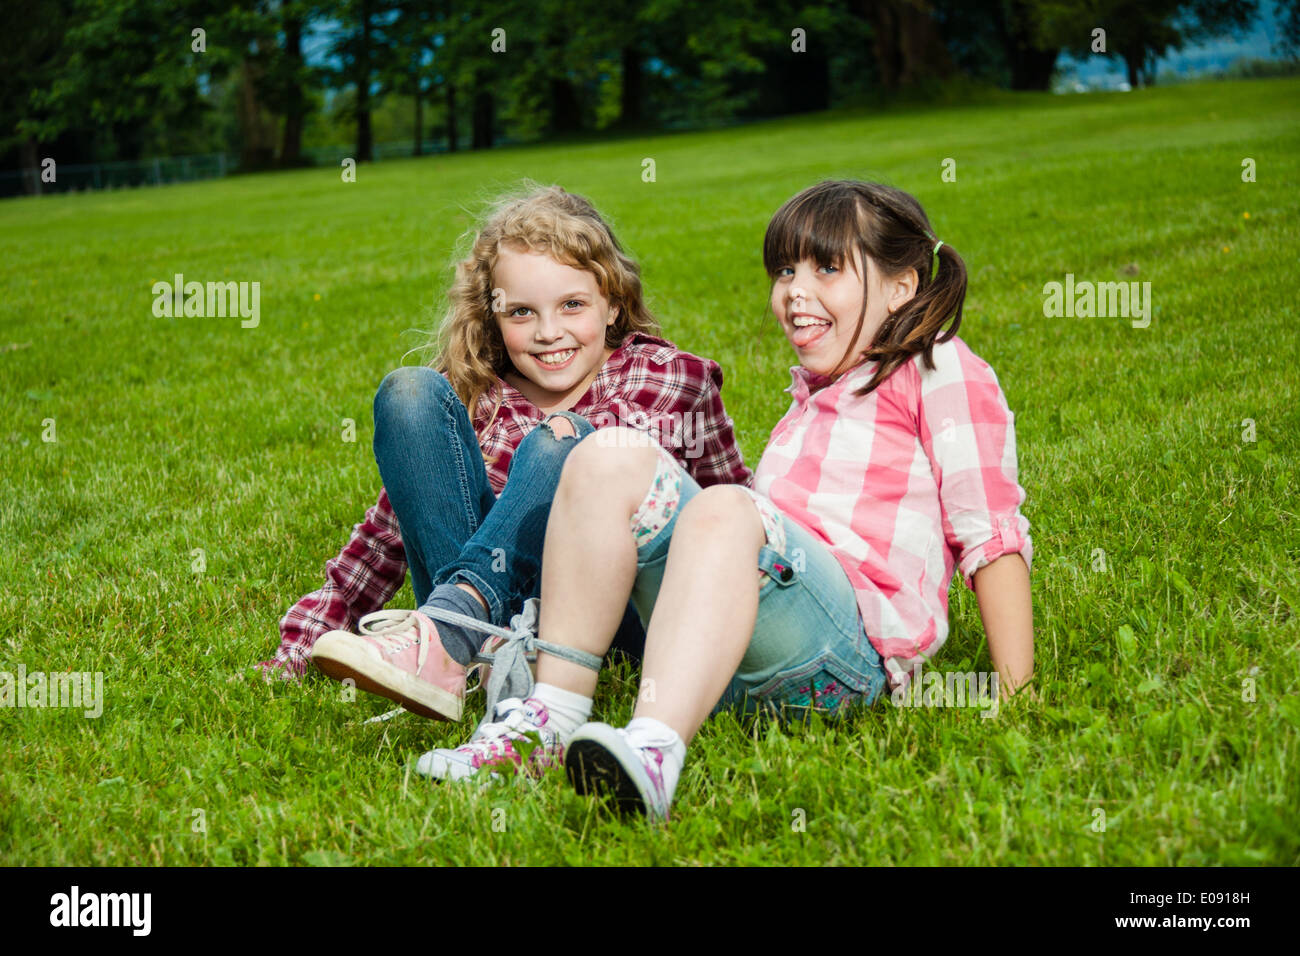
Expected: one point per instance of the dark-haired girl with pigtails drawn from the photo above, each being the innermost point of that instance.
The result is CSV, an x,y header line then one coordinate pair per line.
x,y
826,583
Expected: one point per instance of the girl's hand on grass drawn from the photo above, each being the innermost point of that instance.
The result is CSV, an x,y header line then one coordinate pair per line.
x,y
268,671
1027,691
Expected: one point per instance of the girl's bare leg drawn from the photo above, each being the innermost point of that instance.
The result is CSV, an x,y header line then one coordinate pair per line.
x,y
589,560
708,602
705,612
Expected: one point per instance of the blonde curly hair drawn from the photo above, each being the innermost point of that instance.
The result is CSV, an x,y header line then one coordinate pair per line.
x,y
468,346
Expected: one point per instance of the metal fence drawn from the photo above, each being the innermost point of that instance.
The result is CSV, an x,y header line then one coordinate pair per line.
x,y
70,177
177,169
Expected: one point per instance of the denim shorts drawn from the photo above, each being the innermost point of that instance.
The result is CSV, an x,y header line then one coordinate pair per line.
x,y
809,651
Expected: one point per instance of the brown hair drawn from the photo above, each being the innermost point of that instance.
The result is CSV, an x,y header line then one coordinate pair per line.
x,y
832,220
469,348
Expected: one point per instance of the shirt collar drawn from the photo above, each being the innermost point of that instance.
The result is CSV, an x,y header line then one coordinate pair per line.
x,y
803,382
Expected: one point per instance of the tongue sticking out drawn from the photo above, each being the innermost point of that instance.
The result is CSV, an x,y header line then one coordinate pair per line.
x,y
804,336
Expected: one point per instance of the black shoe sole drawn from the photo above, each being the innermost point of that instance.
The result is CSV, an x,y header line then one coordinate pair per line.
x,y
594,771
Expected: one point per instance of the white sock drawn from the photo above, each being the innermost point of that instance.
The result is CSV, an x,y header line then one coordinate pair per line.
x,y
648,732
567,711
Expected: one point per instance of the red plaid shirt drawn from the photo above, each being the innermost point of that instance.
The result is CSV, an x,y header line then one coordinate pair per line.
x,y
646,383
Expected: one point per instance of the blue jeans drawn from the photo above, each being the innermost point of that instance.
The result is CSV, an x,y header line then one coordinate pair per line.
x,y
454,528
809,650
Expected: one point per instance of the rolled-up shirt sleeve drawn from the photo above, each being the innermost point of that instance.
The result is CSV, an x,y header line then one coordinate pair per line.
x,y
713,457
968,432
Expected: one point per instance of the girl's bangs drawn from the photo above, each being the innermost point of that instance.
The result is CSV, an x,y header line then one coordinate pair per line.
x,y
821,224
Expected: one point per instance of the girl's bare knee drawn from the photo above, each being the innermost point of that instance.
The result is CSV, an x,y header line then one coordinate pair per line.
x,y
560,426
610,462
720,512
722,507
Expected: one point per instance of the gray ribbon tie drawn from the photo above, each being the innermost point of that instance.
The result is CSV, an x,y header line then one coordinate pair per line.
x,y
511,675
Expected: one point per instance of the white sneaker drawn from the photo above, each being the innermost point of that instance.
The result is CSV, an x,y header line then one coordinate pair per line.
x,y
499,744
604,760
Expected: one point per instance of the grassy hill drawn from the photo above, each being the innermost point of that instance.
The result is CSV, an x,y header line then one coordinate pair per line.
x,y
1167,557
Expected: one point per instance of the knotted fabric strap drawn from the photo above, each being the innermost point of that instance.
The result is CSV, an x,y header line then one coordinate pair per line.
x,y
511,676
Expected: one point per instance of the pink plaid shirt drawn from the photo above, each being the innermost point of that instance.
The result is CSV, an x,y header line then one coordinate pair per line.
x,y
906,485
646,383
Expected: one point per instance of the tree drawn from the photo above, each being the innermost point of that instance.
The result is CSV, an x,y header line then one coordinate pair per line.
x,y
361,43
30,49
994,41
794,45
708,59
126,68
408,71
244,42
1140,31
906,42
1029,60
1288,41
286,76
468,63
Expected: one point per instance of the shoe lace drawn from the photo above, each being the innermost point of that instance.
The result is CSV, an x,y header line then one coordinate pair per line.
x,y
508,718
398,629
510,722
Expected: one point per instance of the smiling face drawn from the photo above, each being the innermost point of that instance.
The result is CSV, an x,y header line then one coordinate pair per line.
x,y
818,308
553,319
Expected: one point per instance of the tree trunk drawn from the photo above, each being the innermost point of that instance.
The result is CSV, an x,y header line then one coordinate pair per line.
x,y
419,119
925,56
128,139
791,82
1133,61
291,145
566,114
1031,66
631,99
452,133
1032,69
31,166
804,80
482,117
257,146
884,42
906,42
815,91
365,148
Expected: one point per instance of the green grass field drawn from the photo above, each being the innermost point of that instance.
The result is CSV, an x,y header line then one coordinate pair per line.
x,y
1168,679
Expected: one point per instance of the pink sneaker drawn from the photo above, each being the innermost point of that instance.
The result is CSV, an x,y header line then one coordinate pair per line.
x,y
397,655
518,727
